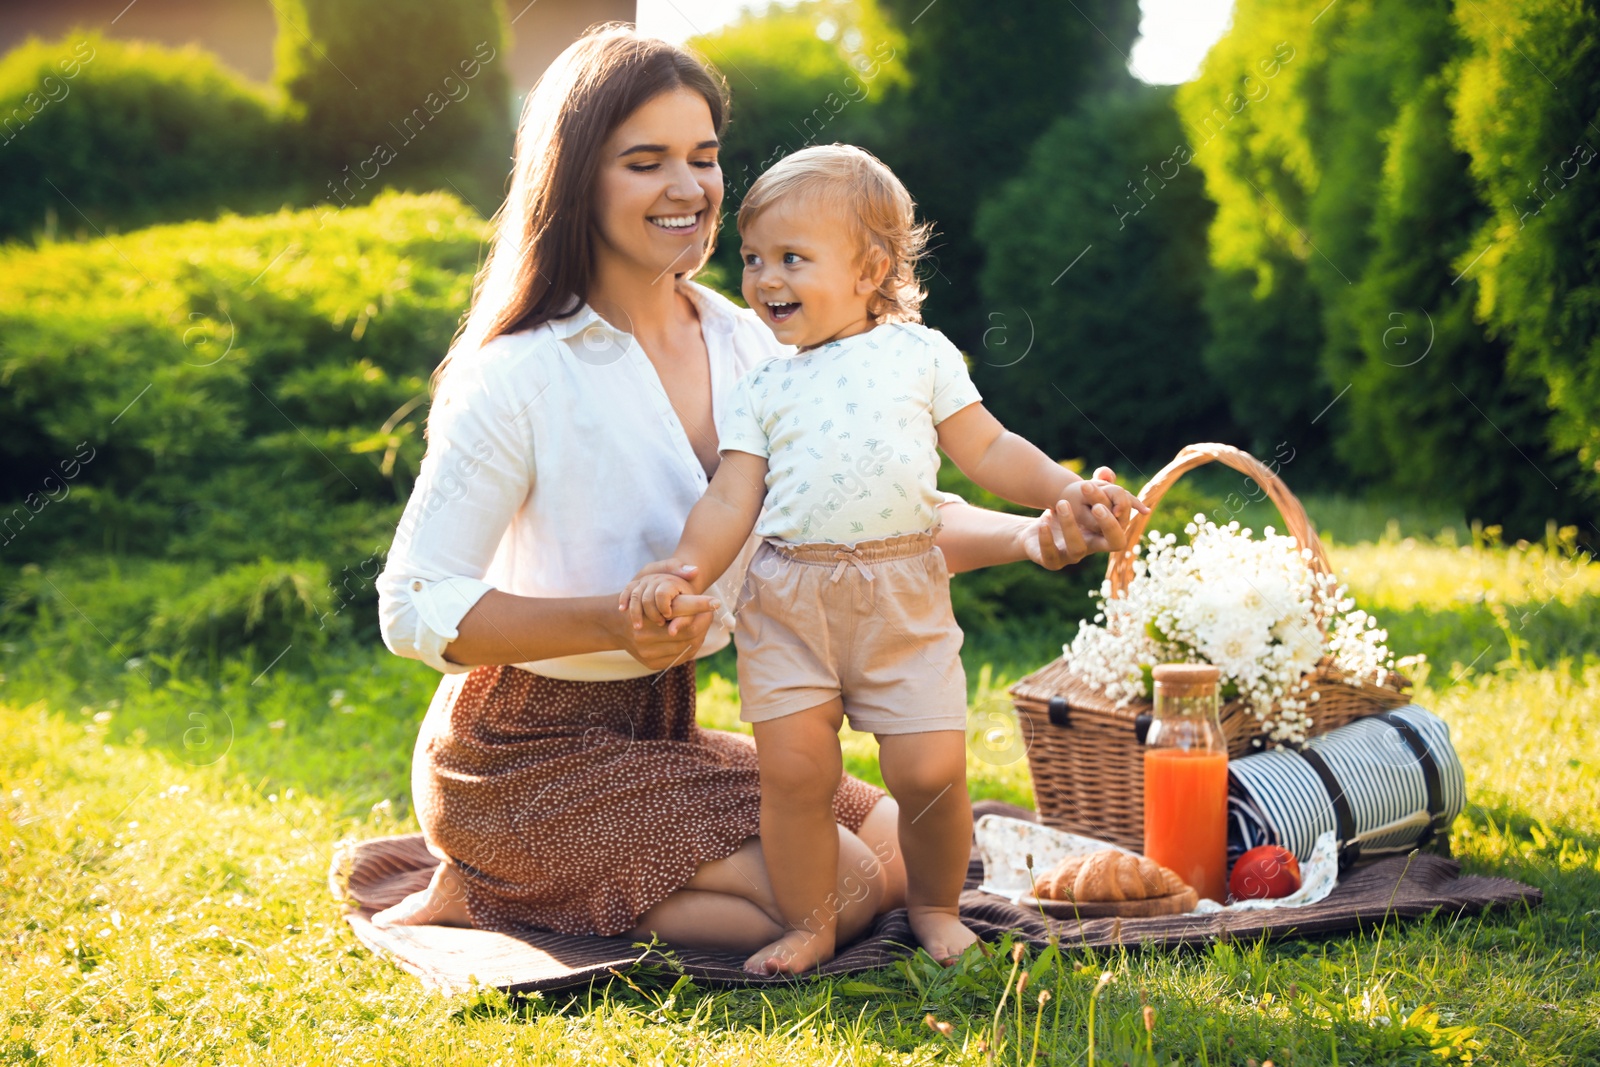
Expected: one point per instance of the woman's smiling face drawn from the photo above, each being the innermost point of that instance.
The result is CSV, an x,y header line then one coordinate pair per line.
x,y
659,186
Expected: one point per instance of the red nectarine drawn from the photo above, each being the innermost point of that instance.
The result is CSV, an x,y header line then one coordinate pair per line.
x,y
1264,871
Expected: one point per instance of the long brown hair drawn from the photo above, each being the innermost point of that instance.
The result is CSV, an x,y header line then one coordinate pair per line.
x,y
541,258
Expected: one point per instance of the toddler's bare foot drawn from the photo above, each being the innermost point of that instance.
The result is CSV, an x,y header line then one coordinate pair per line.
x,y
793,953
443,903
941,932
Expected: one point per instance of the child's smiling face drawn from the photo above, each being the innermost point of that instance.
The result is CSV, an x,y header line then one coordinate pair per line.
x,y
806,275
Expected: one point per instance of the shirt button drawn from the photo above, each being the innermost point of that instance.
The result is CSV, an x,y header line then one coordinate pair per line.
x,y
416,585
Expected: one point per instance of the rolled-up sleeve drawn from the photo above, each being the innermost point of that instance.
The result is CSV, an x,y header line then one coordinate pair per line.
x,y
476,474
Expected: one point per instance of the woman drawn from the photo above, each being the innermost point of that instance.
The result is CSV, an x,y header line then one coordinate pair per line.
x,y
559,774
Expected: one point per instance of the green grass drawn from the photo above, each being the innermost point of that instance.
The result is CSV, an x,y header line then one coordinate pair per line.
x,y
168,825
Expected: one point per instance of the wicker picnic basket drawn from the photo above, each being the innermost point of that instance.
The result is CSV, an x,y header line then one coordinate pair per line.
x,y
1085,753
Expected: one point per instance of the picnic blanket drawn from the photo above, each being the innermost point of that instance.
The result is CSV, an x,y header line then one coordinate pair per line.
x,y
372,875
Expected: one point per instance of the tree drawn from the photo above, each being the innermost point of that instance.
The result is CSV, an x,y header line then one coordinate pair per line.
x,y
407,93
1527,113
1382,55
1093,292
1431,408
1245,117
986,80
1339,308
815,73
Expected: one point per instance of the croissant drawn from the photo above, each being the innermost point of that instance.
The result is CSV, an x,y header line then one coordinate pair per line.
x,y
1107,875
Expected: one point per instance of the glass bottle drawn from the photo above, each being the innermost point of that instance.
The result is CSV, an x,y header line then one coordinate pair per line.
x,y
1186,779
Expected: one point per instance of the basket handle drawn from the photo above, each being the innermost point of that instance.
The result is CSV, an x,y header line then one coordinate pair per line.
x,y
1119,568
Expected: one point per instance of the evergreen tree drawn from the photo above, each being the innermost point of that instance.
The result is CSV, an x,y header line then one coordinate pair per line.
x,y
408,93
986,81
1095,264
1527,113
1431,408
1246,120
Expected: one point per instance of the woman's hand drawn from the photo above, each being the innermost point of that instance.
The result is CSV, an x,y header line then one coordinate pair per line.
x,y
661,646
1082,522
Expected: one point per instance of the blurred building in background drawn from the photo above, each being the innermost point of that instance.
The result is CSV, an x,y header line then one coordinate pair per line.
x,y
242,32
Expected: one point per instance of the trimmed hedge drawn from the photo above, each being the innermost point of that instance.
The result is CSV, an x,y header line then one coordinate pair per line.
x,y
233,394
97,134
219,423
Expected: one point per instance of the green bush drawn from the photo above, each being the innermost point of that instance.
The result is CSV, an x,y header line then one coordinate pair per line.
x,y
99,134
220,391
791,87
1363,157
1245,121
1536,162
1433,411
269,604
1265,334
411,94
91,614
985,80
1430,398
1057,360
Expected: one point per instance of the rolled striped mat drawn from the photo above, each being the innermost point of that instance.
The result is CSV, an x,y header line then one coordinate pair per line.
x,y
1384,784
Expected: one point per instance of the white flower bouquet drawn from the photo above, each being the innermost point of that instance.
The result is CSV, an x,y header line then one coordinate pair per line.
x,y
1255,608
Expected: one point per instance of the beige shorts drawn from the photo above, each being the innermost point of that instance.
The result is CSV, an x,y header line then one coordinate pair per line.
x,y
870,625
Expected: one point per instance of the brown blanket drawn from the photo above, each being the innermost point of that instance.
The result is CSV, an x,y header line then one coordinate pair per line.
x,y
375,874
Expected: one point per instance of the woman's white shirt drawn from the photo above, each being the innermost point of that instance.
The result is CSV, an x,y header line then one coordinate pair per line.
x,y
556,467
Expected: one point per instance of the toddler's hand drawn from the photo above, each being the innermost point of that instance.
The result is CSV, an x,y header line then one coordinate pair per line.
x,y
1123,503
650,596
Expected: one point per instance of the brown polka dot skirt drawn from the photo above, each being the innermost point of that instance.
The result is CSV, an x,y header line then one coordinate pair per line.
x,y
576,806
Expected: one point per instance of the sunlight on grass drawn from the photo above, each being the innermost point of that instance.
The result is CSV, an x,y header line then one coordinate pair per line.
x,y
168,826
1532,739
1482,605
1415,573
174,913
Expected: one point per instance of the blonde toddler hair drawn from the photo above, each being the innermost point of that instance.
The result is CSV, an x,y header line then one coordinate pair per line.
x,y
874,201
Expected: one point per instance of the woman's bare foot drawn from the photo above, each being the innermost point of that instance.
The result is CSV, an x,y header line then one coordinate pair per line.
x,y
941,932
794,953
443,903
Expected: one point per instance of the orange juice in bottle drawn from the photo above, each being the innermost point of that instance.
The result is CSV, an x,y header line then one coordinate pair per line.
x,y
1186,779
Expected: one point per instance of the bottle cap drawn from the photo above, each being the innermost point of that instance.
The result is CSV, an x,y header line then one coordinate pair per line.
x,y
1186,679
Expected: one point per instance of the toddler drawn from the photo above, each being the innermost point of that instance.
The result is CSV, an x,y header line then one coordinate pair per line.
x,y
846,607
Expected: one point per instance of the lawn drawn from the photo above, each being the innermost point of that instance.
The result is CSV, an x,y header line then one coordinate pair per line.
x,y
168,826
